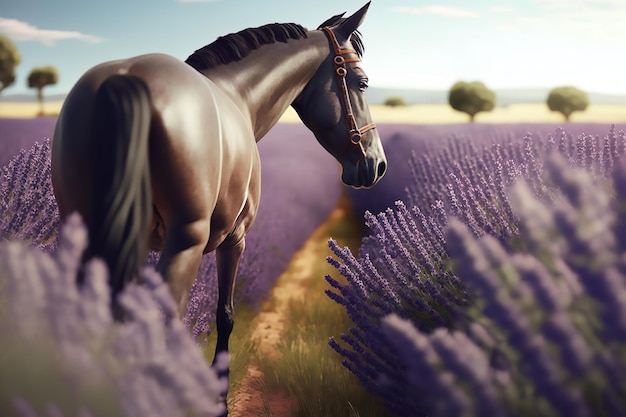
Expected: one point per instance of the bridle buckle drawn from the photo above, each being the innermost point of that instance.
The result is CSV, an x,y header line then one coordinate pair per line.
x,y
355,137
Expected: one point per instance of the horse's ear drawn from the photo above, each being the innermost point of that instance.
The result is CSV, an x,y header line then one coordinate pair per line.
x,y
352,23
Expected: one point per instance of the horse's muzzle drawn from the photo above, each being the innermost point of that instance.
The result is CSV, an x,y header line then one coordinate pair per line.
x,y
365,174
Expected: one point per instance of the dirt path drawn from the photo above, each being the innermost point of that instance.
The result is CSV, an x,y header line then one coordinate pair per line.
x,y
269,324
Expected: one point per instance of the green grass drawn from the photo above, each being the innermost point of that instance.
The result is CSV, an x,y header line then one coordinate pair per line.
x,y
305,367
309,371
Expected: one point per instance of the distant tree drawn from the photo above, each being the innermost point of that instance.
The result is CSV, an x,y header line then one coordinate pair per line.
x,y
9,59
567,100
395,101
471,98
40,77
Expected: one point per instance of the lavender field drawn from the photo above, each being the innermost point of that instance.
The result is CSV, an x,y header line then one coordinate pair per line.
x,y
497,285
430,141
492,281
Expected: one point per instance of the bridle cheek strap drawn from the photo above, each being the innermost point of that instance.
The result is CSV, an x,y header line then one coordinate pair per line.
x,y
355,133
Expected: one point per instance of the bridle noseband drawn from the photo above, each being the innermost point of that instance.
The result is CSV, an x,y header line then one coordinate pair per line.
x,y
341,70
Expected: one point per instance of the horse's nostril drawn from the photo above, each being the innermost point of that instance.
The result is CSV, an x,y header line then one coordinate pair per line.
x,y
382,167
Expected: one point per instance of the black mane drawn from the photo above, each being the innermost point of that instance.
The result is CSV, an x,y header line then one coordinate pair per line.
x,y
236,46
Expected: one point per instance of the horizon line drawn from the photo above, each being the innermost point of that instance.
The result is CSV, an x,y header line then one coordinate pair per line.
x,y
379,87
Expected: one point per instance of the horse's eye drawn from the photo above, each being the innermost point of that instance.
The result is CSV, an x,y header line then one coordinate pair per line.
x,y
363,85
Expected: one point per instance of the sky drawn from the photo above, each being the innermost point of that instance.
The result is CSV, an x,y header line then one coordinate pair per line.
x,y
426,44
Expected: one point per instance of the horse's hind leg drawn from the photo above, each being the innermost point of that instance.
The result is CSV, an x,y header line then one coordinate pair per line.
x,y
227,256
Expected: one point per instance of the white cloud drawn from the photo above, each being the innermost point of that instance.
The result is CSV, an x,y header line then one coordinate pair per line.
x,y
18,30
438,10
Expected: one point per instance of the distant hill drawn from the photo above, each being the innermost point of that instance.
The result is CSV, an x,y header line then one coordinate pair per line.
x,y
378,95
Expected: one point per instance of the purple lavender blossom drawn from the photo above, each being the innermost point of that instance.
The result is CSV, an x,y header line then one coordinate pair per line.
x,y
28,209
394,273
145,366
437,364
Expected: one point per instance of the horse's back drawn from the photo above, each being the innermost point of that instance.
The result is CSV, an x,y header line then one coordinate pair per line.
x,y
201,157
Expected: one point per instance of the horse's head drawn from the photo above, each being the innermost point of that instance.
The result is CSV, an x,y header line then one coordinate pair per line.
x,y
334,108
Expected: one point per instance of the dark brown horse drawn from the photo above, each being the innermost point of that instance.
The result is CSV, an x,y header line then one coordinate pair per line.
x,y
156,153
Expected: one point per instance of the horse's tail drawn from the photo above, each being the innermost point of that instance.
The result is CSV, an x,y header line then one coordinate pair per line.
x,y
120,168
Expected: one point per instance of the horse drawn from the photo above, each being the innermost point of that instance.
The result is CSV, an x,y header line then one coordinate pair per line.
x,y
156,153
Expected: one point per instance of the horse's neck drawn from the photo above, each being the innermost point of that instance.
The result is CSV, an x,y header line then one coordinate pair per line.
x,y
268,80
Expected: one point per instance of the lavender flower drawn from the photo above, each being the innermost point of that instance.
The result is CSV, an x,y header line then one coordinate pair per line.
x,y
146,366
437,365
27,206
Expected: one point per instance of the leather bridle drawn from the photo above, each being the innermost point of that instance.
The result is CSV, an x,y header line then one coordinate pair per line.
x,y
341,71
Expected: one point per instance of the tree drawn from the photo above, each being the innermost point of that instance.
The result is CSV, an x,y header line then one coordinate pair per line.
x,y
9,59
471,98
395,101
40,77
567,100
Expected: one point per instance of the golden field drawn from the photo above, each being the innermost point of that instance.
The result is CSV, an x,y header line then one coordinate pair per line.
x,y
418,114
514,113
27,109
